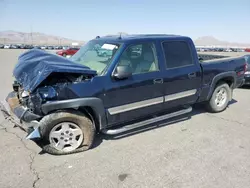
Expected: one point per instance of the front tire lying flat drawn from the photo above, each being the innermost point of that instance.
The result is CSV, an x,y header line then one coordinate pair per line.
x,y
220,98
67,132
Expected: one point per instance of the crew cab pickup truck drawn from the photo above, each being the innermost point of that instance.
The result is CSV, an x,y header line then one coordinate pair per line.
x,y
66,102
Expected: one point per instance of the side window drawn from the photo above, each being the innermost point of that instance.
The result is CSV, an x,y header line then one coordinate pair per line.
x,y
177,54
140,57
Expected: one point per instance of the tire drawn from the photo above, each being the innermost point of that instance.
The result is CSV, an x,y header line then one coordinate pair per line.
x,y
64,55
215,105
70,118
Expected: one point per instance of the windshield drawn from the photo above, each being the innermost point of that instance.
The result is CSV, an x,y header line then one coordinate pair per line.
x,y
96,55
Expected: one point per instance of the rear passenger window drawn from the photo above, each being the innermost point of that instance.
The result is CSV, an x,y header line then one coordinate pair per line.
x,y
177,54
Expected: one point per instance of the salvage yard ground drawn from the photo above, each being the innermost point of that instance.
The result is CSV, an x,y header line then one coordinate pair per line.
x,y
203,150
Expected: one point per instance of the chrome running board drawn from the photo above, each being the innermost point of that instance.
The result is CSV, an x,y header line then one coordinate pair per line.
x,y
146,122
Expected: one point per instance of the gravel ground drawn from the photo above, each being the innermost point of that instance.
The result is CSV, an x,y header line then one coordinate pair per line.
x,y
201,151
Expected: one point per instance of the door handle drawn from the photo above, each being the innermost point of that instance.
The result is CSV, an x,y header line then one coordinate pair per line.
x,y
158,81
192,75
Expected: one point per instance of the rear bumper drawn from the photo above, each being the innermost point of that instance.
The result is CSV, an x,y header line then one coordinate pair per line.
x,y
240,80
240,83
247,79
20,115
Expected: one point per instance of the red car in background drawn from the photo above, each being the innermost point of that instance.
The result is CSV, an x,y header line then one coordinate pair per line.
x,y
69,51
247,49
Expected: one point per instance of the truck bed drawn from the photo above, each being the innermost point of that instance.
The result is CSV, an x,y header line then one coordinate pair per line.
x,y
205,57
220,60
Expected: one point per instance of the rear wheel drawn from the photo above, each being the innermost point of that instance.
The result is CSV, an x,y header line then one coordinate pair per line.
x,y
220,98
64,55
67,132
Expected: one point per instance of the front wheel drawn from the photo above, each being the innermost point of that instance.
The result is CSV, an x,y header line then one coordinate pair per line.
x,y
220,98
67,132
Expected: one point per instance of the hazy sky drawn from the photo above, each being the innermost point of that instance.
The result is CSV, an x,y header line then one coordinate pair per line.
x,y
82,19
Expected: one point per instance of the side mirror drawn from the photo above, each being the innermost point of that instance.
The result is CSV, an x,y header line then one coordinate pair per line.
x,y
122,72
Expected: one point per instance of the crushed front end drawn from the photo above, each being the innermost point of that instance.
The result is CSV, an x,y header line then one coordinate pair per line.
x,y
41,77
20,108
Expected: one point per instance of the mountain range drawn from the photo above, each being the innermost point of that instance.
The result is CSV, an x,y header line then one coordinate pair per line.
x,y
211,41
11,37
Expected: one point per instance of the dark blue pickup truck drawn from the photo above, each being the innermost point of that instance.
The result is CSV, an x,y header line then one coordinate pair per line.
x,y
147,79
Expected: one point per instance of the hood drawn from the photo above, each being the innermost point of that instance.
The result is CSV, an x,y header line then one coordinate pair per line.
x,y
35,65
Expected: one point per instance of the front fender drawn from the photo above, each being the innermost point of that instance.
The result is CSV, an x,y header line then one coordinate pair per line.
x,y
95,103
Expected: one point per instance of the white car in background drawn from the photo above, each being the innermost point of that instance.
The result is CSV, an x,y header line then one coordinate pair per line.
x,y
65,47
229,50
7,46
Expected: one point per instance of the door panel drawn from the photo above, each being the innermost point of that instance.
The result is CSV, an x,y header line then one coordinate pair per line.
x,y
136,97
141,94
179,88
182,76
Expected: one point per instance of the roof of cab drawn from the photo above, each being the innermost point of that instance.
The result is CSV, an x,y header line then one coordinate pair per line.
x,y
125,38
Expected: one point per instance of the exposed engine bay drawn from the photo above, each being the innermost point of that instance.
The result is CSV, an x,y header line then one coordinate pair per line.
x,y
54,87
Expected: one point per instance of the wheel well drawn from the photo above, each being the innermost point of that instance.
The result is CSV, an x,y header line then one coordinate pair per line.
x,y
90,113
228,80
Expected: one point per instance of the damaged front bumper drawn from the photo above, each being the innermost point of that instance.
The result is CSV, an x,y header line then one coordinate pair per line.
x,y
20,116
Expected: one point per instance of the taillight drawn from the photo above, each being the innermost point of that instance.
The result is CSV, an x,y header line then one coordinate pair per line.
x,y
245,67
244,70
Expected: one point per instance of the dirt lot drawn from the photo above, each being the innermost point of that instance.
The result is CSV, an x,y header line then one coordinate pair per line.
x,y
205,151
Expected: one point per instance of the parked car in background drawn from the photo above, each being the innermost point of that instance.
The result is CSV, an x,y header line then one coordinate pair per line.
x,y
22,46
65,47
1,46
36,47
58,47
67,52
12,46
50,48
104,52
28,46
43,47
247,50
68,101
229,50
240,50
7,46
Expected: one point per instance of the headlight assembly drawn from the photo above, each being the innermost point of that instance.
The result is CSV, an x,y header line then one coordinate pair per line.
x,y
47,93
25,94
